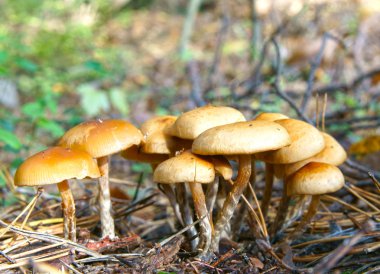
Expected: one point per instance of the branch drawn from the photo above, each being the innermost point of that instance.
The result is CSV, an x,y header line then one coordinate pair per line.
x,y
277,88
196,90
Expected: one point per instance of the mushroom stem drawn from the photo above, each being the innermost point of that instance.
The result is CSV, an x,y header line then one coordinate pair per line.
x,y
68,208
107,223
221,195
242,211
187,215
268,188
281,213
232,199
201,210
211,193
169,193
313,207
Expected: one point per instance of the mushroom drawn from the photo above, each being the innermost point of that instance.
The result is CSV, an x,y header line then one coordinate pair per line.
x,y
333,153
101,139
156,140
194,170
242,139
56,165
313,179
306,141
191,124
270,116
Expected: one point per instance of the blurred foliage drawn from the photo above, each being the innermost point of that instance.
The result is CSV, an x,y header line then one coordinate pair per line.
x,y
54,50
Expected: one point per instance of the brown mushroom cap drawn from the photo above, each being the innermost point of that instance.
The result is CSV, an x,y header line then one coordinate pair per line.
x,y
241,138
134,154
101,138
55,165
306,141
333,154
185,167
191,124
270,116
156,141
222,167
156,124
315,179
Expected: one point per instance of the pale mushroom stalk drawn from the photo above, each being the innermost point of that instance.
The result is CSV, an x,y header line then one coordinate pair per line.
x,y
281,213
201,210
312,210
232,199
186,214
211,193
269,178
68,209
107,222
168,191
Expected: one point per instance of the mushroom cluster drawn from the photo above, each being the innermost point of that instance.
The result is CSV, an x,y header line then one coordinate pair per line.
x,y
191,156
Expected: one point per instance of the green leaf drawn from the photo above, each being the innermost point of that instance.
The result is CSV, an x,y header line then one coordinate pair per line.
x,y
16,162
119,101
27,65
33,110
10,139
93,101
51,126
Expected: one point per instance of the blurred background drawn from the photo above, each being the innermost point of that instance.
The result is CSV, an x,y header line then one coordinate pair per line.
x,y
63,62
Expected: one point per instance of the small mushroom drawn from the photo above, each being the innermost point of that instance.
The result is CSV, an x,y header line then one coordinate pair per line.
x,y
194,170
56,165
313,179
191,124
333,153
101,139
270,116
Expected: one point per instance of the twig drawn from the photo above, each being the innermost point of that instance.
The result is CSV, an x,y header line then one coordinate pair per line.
x,y
374,180
330,260
49,238
192,10
314,65
360,167
32,202
276,84
165,241
220,39
348,86
324,106
196,90
255,30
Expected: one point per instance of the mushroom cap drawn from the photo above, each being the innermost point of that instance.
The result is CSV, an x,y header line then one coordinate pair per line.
x,y
270,116
156,141
222,167
333,154
306,141
55,165
191,124
101,138
134,154
185,168
158,123
315,179
241,138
